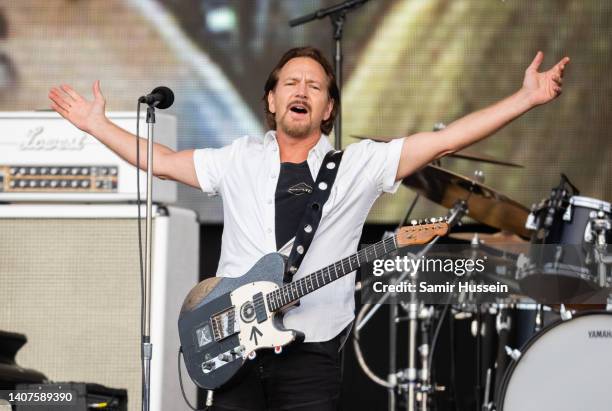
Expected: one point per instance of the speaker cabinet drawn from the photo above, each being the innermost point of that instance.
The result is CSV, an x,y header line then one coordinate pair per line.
x,y
70,281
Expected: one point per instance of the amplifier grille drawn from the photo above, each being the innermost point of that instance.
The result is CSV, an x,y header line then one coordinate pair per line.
x,y
73,287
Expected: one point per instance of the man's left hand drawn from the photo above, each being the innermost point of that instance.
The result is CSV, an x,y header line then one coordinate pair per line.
x,y
546,86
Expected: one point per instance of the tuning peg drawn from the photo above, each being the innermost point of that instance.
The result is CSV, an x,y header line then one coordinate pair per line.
x,y
413,222
426,221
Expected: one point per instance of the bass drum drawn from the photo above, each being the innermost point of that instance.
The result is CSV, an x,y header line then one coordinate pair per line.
x,y
566,367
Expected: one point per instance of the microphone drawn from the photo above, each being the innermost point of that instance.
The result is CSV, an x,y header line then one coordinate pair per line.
x,y
161,97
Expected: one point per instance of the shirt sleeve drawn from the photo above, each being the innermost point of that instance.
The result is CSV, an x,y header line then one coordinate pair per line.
x,y
379,162
211,165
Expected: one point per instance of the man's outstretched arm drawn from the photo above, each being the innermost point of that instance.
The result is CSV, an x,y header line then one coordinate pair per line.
x,y
90,117
538,88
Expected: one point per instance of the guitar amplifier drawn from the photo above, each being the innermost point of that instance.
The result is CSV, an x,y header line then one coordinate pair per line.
x,y
45,158
70,281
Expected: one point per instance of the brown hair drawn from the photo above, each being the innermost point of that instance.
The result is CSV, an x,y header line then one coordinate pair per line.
x,y
332,87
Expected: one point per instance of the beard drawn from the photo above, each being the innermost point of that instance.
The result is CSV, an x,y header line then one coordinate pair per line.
x,y
293,128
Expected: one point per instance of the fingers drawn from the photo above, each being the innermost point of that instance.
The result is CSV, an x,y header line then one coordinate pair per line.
x,y
58,98
563,62
96,90
59,109
70,92
560,67
535,64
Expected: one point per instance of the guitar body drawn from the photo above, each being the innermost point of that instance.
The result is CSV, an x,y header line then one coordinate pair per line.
x,y
224,321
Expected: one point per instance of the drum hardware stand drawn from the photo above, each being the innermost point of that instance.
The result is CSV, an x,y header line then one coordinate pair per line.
x,y
455,215
599,228
392,377
487,403
416,382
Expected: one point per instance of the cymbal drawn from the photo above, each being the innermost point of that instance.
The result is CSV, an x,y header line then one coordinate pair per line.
x,y
484,204
459,154
502,241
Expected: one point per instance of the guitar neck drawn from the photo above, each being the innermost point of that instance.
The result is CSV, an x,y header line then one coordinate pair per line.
x,y
295,290
407,235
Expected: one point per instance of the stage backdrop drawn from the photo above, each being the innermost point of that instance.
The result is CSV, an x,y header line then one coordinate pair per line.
x,y
408,64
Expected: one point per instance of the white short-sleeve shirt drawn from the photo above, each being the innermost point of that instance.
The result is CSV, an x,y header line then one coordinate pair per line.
x,y
245,174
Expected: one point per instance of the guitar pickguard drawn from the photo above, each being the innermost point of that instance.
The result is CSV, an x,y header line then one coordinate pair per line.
x,y
258,334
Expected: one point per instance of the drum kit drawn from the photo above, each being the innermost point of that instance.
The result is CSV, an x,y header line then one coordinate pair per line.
x,y
548,344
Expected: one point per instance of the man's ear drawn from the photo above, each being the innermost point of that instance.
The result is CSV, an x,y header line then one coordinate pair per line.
x,y
271,102
328,109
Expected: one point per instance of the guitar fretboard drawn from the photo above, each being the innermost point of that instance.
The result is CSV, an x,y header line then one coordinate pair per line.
x,y
295,290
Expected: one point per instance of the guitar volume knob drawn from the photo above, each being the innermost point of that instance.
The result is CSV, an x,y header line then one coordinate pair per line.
x,y
225,357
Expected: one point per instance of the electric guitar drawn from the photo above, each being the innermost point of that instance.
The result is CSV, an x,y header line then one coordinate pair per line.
x,y
224,321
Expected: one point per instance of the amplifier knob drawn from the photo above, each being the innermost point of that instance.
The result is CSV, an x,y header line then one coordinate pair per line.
x,y
13,171
22,171
74,184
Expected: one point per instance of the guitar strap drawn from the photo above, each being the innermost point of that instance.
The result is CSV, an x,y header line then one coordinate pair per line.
x,y
312,216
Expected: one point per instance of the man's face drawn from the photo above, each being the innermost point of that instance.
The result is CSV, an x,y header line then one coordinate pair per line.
x,y
300,101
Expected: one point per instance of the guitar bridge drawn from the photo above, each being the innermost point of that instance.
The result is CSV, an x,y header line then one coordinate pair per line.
x,y
224,324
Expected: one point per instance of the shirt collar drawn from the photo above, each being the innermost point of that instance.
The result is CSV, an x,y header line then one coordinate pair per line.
x,y
320,149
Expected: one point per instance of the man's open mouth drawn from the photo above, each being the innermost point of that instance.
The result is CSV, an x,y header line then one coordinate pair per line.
x,y
299,108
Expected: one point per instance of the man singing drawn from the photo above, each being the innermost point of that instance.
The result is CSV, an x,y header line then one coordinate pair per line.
x,y
265,183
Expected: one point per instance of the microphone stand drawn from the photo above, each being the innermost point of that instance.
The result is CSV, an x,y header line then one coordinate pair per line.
x,y
337,14
147,346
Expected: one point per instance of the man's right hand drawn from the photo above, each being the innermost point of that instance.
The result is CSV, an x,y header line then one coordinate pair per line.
x,y
83,113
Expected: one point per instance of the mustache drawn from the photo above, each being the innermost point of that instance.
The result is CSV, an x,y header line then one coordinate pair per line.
x,y
300,102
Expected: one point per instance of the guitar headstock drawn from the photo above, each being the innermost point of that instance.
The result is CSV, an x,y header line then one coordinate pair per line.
x,y
421,233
